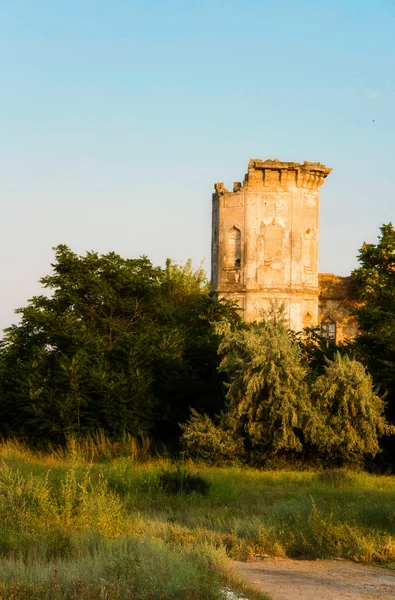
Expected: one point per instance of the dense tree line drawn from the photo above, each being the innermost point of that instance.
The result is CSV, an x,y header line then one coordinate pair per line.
x,y
117,345
374,283
122,346
278,410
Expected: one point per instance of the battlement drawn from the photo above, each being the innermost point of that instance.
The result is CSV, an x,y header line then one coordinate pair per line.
x,y
257,163
275,175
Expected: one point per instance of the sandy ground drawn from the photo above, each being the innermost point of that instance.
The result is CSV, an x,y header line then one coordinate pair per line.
x,y
286,579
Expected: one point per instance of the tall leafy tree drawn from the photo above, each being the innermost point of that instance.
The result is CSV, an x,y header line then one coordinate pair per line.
x,y
374,283
315,350
349,416
117,344
267,390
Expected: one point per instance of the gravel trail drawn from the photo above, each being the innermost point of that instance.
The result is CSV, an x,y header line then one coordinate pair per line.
x,y
287,579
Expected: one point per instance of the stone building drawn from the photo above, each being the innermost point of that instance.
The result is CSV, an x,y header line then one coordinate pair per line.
x,y
334,305
265,247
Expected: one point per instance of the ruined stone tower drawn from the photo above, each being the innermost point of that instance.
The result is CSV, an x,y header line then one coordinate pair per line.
x,y
265,239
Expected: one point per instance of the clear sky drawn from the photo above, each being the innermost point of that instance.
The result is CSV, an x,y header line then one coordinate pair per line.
x,y
117,117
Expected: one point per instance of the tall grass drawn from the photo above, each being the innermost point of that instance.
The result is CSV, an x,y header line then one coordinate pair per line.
x,y
80,524
126,568
92,448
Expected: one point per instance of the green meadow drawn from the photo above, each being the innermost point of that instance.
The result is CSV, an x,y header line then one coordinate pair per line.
x,y
94,521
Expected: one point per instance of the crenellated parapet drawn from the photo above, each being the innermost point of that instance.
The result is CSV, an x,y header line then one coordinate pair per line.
x,y
275,175
278,175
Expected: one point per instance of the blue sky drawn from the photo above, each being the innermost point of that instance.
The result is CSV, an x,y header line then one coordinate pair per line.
x,y
117,117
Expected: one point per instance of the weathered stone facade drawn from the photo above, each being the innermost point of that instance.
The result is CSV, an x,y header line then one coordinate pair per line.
x,y
265,241
335,303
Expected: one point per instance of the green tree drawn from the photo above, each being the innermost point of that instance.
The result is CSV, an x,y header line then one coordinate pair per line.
x,y
117,344
315,350
74,363
267,392
189,377
374,283
349,418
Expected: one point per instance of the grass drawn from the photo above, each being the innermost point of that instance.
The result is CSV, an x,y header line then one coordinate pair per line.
x,y
126,568
87,524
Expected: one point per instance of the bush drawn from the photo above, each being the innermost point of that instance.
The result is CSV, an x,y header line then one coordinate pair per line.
x,y
204,441
182,481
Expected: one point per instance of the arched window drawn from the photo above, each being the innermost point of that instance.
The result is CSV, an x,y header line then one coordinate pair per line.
x,y
328,329
307,319
233,248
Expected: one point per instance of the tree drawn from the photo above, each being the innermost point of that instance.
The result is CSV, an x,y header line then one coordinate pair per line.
x,y
75,362
190,379
349,416
118,345
374,283
267,391
315,350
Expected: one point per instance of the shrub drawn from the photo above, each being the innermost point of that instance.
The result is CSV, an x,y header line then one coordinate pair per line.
x,y
182,481
202,440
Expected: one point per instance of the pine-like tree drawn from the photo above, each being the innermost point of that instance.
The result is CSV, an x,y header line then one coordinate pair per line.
x,y
349,416
267,392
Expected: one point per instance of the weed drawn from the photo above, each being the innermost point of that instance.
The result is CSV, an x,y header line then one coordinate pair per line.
x,y
336,477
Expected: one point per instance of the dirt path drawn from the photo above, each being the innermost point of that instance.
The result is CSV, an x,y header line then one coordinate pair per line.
x,y
286,579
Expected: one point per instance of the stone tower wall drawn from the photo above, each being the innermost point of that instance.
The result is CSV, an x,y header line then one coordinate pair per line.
x,y
265,239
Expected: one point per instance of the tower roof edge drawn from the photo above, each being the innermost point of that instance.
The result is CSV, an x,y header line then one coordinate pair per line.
x,y
276,164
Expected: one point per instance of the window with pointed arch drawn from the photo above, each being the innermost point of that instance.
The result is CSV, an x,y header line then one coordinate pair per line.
x,y
233,248
307,319
328,329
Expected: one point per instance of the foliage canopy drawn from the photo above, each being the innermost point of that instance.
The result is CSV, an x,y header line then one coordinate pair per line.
x,y
118,345
267,391
350,414
375,290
